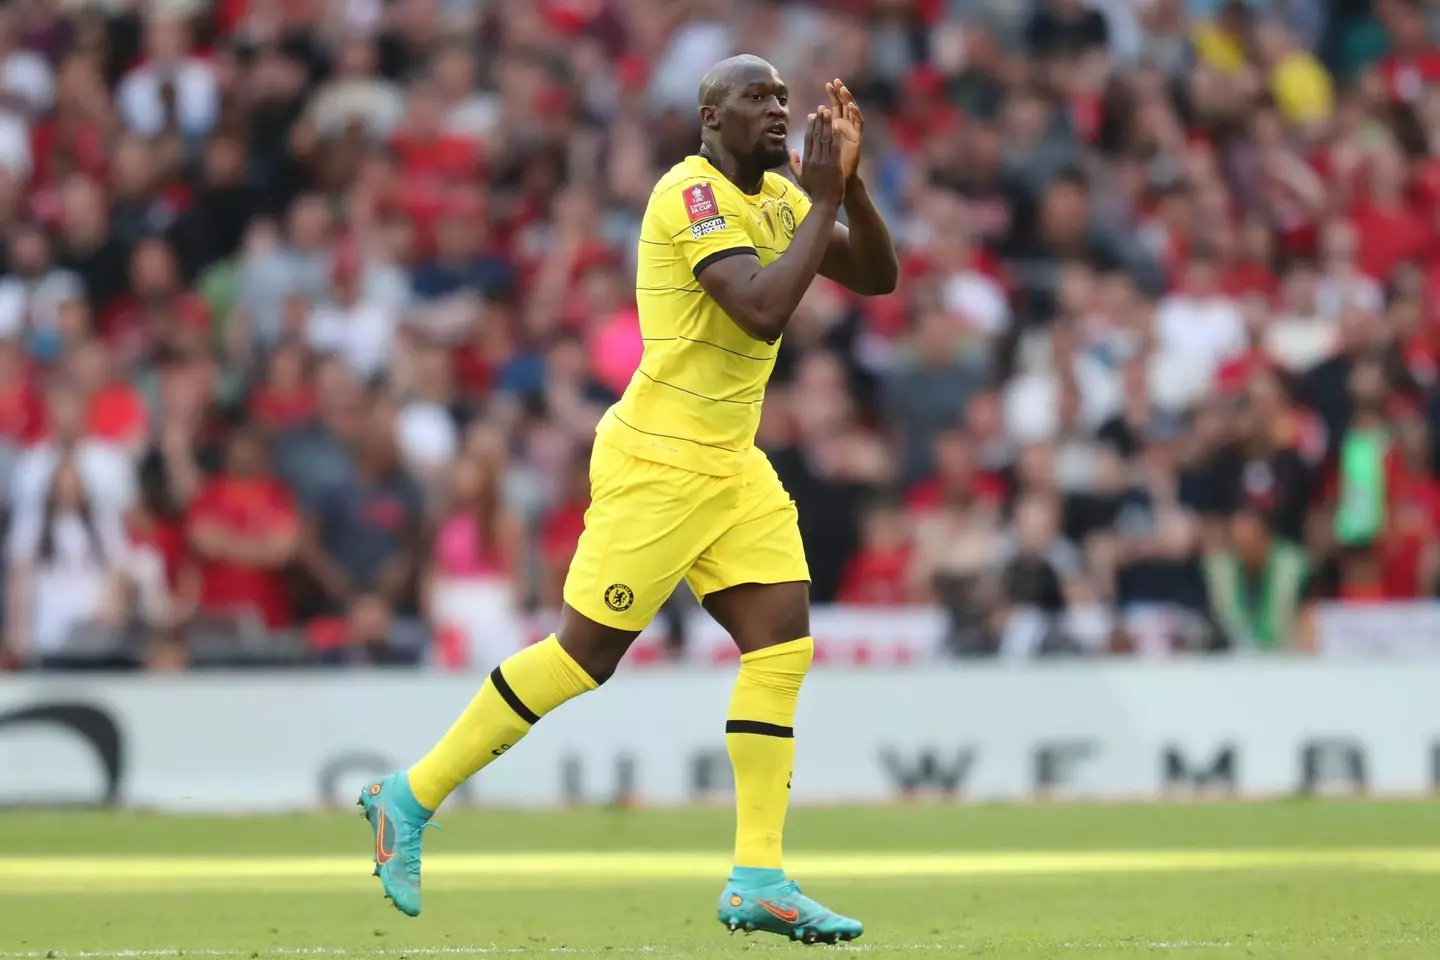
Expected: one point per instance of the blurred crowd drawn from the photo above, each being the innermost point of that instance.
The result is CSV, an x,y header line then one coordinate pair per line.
x,y
308,308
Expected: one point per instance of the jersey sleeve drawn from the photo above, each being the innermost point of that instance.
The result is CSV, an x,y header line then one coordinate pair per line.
x,y
702,225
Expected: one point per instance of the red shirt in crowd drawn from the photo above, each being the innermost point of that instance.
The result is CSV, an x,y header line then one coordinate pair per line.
x,y
282,409
1414,522
1388,238
249,508
118,414
1407,77
22,410
876,577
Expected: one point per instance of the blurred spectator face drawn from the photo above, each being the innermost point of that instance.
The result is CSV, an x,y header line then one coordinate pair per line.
x,y
345,278
603,291
1387,176
29,252
1257,244
1300,290
1036,524
936,336
82,213
1413,437
424,110
133,169
153,272
1339,243
224,161
245,456
310,224
1035,469
1064,209
90,366
1367,384
1250,538
378,448
954,456
167,39
565,360
457,238
469,482
65,409
1202,277
885,529
285,370
455,74
357,58
67,492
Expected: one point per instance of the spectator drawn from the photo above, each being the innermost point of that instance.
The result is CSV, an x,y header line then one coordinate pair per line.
x,y
1258,587
478,546
33,290
359,329
560,529
878,574
243,530
366,531
173,89
65,564
107,476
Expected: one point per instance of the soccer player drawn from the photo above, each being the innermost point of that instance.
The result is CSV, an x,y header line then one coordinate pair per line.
x,y
679,490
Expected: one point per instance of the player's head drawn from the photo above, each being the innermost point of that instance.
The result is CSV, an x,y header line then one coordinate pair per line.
x,y
744,111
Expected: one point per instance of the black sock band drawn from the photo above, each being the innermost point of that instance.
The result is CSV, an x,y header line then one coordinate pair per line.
x,y
760,729
511,700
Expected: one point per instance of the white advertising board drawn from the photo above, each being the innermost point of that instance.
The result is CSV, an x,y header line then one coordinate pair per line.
x,y
255,742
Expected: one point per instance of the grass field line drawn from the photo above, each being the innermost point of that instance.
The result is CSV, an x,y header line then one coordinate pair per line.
x,y
383,953
595,868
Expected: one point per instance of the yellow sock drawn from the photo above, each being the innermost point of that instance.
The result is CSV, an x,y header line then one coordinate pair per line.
x,y
760,737
517,694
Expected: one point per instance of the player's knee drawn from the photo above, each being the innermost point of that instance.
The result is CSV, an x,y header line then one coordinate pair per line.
x,y
597,649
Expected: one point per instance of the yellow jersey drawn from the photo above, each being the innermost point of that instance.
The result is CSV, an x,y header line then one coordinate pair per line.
x,y
694,402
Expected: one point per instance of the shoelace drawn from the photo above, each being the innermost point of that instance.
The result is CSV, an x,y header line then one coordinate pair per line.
x,y
415,836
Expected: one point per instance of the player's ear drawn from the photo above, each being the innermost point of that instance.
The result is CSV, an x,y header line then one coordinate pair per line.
x,y
709,117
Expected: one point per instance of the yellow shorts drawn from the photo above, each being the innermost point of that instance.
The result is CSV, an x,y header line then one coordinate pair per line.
x,y
651,524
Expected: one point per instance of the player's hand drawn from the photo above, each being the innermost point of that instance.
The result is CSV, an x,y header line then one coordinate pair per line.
x,y
819,173
849,125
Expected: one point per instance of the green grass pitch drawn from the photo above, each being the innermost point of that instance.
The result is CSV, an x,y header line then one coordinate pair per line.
x,y
1296,880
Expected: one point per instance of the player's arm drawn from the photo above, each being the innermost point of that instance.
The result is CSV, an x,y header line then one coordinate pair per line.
x,y
761,299
862,256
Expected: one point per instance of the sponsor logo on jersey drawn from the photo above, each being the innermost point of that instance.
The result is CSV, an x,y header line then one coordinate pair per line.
x,y
713,225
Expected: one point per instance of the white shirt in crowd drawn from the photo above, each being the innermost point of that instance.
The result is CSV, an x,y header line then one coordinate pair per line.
x,y
66,589
197,97
362,334
15,145
1334,294
26,74
26,304
1205,331
107,475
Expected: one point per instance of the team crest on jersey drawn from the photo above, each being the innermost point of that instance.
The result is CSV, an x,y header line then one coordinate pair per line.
x,y
619,597
787,219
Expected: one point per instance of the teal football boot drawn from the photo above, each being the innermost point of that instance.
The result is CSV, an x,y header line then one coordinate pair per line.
x,y
764,900
398,820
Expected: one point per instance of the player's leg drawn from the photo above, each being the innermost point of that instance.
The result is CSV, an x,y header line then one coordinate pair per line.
x,y
640,533
755,582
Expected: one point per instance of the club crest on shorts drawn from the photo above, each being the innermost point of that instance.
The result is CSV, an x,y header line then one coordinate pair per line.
x,y
787,219
619,597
